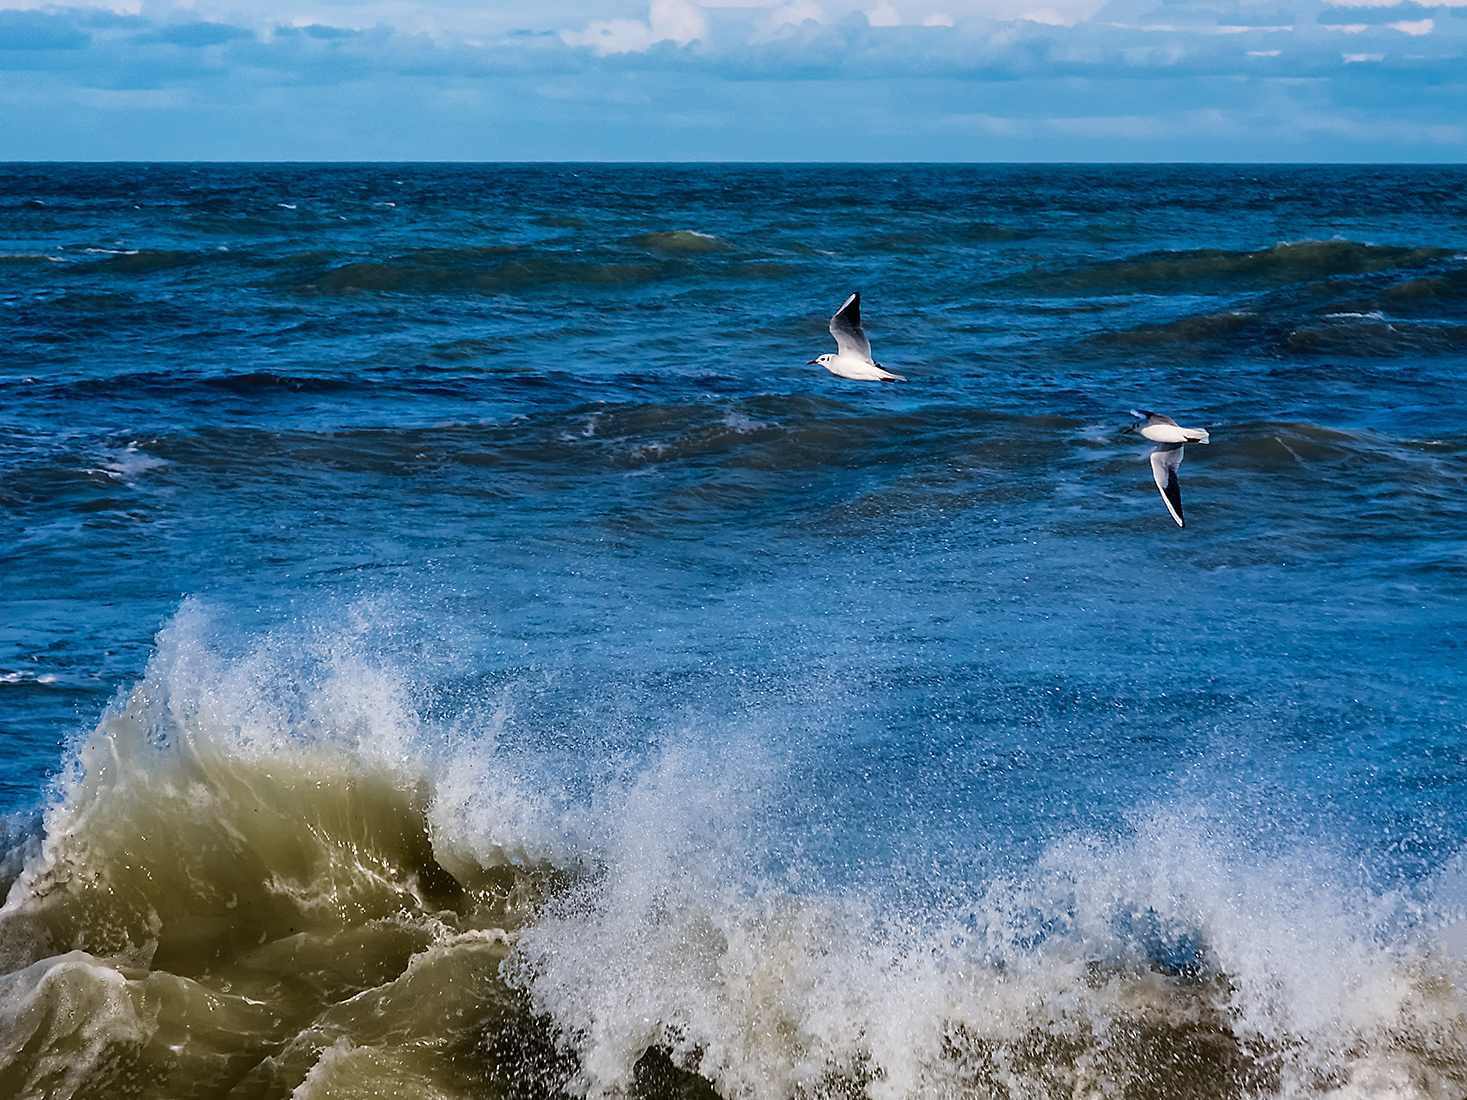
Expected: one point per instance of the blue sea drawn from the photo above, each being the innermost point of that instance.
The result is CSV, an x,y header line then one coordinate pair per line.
x,y
454,644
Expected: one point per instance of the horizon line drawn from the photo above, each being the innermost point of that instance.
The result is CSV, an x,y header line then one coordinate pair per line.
x,y
780,163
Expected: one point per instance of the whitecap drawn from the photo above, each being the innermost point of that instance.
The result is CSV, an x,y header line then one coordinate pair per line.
x,y
131,464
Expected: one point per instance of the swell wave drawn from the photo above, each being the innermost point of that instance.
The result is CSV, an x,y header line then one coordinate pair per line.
x,y
681,241
1354,335
1207,270
146,260
426,276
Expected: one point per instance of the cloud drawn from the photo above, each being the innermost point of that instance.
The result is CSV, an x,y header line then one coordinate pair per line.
x,y
195,34
801,39
883,15
1342,13
316,30
1399,4
789,15
669,20
33,30
735,79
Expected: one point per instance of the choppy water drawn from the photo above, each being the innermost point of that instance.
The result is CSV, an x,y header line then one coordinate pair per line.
x,y
455,646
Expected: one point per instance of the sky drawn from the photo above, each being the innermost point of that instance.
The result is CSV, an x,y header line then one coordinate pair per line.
x,y
735,80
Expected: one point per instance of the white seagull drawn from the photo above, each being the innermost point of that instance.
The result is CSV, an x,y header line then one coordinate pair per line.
x,y
852,358
1168,436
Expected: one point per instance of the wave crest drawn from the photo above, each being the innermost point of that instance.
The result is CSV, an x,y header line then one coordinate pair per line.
x,y
1207,270
263,877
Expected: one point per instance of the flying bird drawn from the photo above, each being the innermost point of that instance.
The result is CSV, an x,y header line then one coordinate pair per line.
x,y
852,358
1168,436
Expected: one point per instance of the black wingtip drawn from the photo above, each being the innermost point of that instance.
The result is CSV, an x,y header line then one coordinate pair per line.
x,y
1172,494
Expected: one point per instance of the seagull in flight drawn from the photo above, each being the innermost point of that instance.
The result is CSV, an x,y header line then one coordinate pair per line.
x,y
1168,436
852,358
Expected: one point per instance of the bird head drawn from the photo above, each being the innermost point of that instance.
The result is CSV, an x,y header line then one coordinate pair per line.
x,y
821,359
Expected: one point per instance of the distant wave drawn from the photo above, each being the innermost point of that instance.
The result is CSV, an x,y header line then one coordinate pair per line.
x,y
1280,328
146,260
1210,269
430,276
681,240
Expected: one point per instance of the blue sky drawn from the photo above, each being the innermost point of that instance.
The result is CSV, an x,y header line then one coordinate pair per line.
x,y
803,80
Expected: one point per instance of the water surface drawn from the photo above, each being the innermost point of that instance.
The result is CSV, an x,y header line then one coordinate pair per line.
x,y
454,645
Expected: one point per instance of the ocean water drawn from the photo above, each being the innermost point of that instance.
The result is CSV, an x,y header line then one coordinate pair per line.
x,y
453,644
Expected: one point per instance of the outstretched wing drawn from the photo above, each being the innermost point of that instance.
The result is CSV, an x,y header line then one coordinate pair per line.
x,y
1164,462
845,326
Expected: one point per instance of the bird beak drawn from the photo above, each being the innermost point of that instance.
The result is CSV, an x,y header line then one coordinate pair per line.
x,y
812,362
1128,431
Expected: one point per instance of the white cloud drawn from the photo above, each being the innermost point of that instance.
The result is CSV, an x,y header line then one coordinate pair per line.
x,y
1397,3
1055,13
669,20
1367,130
1134,127
117,7
1073,84
990,124
612,36
678,20
791,15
